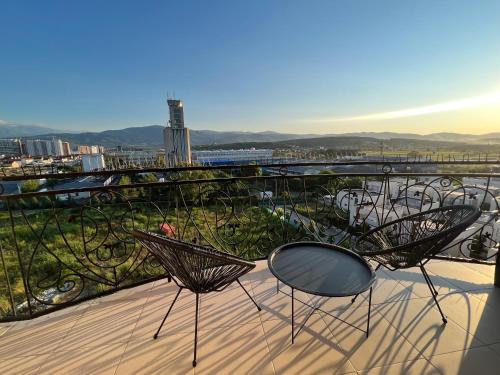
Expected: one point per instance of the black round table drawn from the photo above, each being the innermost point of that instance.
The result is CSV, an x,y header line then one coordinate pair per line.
x,y
321,269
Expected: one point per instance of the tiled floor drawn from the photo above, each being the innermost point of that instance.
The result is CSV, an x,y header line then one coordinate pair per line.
x,y
113,335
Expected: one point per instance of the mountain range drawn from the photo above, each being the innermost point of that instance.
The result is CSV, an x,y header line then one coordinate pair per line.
x,y
152,136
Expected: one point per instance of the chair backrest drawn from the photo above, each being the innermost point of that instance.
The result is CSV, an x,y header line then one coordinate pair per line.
x,y
407,241
199,268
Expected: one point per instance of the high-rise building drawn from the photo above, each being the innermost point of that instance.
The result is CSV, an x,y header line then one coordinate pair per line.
x,y
66,148
93,149
10,147
176,136
57,147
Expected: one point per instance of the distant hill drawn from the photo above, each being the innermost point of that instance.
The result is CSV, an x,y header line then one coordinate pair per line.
x,y
358,143
11,130
152,135
448,137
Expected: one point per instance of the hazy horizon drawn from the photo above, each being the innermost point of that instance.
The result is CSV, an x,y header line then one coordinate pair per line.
x,y
284,66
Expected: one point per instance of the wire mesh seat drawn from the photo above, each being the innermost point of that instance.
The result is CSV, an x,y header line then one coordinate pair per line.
x,y
200,269
411,241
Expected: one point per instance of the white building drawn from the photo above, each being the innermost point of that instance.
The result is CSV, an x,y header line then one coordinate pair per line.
x,y
264,195
481,182
85,182
93,162
243,156
132,159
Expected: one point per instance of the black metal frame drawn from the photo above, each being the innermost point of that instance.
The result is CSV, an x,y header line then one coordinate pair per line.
x,y
318,308
200,269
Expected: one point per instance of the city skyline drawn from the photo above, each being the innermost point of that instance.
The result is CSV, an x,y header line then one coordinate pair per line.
x,y
288,67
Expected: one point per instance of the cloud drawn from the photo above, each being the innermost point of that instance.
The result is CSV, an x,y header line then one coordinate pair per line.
x,y
4,122
474,102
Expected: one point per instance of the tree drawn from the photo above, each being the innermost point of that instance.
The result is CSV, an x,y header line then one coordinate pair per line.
x,y
30,186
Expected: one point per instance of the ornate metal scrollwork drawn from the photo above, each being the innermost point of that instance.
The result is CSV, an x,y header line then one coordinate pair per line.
x,y
66,247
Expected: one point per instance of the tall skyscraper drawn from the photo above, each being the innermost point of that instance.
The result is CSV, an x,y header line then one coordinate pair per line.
x,y
176,136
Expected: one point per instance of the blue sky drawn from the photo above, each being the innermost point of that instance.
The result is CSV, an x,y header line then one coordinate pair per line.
x,y
290,66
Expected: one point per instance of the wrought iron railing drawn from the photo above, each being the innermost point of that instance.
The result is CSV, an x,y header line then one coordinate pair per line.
x,y
59,247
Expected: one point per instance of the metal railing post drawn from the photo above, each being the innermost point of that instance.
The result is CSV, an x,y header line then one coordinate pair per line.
x,y
7,279
19,258
497,272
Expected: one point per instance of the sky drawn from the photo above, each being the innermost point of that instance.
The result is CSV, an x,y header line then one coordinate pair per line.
x,y
288,66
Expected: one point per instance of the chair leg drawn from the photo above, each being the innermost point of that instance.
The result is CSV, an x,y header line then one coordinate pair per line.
x,y
196,328
426,275
429,283
248,294
369,312
168,312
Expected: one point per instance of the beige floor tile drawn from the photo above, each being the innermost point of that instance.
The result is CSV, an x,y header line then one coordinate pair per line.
x,y
180,319
384,346
260,274
454,273
490,296
313,352
279,305
234,350
416,367
469,362
413,279
170,354
95,333
420,323
5,327
227,308
40,335
25,342
101,360
61,319
340,303
22,365
137,292
496,348
485,269
476,317
385,289
104,324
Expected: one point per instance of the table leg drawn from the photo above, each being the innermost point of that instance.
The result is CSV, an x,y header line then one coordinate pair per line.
x,y
293,337
277,286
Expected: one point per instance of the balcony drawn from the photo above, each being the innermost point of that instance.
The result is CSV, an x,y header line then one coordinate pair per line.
x,y
113,334
79,295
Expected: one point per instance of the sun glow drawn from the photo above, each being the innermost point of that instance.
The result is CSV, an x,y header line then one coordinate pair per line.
x,y
474,102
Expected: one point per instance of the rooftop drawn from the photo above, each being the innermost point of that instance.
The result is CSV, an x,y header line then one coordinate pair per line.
x,y
113,334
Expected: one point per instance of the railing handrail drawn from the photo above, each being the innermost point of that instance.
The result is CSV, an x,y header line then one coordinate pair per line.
x,y
133,171
234,179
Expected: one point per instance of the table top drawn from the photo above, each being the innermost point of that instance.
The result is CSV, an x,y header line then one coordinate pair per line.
x,y
321,269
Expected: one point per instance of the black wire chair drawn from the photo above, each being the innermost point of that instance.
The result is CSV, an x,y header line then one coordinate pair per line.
x,y
200,269
413,240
